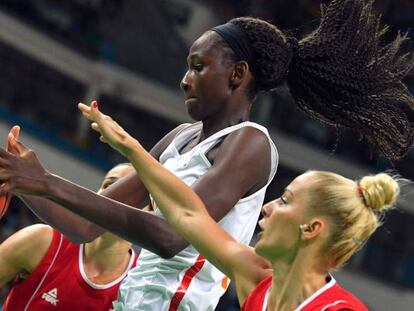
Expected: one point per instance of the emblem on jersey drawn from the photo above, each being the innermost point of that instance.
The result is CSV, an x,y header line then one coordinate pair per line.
x,y
51,296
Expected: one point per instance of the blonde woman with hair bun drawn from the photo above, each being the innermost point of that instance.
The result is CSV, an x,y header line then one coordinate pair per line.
x,y
315,226
354,209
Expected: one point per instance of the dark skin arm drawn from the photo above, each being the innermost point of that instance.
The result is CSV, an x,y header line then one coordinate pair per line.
x,y
128,190
233,175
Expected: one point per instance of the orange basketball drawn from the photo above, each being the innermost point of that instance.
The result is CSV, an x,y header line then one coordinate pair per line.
x,y
4,204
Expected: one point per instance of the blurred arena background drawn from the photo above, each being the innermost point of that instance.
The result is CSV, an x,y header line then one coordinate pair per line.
x,y
130,55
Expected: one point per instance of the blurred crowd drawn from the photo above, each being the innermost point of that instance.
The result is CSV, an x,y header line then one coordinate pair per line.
x,y
44,99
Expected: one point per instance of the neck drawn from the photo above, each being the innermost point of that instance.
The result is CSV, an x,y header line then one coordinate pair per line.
x,y
234,114
295,281
106,254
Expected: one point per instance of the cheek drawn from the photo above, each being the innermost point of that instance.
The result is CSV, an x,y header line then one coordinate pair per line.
x,y
215,85
284,230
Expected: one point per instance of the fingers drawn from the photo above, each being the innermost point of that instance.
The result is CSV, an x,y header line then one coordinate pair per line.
x,y
3,154
15,131
95,126
4,176
5,188
15,147
86,111
12,137
95,113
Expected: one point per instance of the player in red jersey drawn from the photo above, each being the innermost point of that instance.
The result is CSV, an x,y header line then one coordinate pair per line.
x,y
317,224
53,273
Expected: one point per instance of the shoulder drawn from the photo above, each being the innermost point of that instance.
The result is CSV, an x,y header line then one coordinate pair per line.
x,y
249,148
251,140
28,246
341,300
256,298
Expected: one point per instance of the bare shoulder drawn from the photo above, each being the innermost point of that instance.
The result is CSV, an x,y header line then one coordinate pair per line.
x,y
248,136
28,246
250,149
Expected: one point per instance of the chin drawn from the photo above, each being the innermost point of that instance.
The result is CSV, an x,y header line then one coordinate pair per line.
x,y
193,113
258,249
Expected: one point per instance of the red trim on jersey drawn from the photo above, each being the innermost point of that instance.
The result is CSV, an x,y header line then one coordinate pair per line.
x,y
330,297
61,280
185,283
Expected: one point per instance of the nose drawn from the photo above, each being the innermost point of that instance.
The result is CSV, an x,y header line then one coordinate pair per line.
x,y
267,209
185,82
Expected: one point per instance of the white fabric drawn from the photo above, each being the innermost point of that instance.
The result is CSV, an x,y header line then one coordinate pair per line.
x,y
153,282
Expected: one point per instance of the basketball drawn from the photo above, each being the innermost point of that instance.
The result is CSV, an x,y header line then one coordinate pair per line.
x,y
4,204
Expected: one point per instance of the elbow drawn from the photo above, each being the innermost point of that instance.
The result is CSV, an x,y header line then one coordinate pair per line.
x,y
170,247
79,239
166,254
84,236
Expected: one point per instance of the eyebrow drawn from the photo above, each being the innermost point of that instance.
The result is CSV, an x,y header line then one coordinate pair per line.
x,y
197,55
110,178
290,191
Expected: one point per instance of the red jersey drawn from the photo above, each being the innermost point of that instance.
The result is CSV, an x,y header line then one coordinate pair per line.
x,y
59,282
331,297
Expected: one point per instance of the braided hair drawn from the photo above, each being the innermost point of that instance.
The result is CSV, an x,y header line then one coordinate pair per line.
x,y
340,74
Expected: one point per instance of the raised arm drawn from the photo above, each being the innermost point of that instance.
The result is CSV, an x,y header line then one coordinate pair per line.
x,y
185,211
23,251
232,176
129,190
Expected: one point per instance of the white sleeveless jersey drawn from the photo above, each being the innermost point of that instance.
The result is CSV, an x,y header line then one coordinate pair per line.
x,y
187,281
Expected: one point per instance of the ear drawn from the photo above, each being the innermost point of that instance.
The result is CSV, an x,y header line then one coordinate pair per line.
x,y
314,229
239,73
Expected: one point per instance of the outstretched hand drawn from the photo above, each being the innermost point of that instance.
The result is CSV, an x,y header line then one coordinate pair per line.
x,y
20,170
111,133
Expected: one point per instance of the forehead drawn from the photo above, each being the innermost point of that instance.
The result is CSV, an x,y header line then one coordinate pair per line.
x,y
300,184
119,171
206,46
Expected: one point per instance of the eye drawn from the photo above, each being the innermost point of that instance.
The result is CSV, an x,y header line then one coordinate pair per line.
x,y
283,201
198,67
106,185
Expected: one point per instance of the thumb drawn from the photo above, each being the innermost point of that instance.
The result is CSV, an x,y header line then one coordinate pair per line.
x,y
12,137
15,146
15,131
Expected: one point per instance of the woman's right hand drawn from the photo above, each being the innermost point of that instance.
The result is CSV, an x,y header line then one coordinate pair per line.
x,y
111,133
20,170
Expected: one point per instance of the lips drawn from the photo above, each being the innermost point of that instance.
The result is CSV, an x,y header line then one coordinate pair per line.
x,y
190,100
261,223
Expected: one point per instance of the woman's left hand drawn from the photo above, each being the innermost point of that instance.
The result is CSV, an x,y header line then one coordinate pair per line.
x,y
111,133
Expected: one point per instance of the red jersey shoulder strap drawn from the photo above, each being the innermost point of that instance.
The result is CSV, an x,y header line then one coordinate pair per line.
x,y
256,297
48,261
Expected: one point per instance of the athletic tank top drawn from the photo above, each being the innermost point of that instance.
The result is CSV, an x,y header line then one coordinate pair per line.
x,y
60,283
187,281
330,297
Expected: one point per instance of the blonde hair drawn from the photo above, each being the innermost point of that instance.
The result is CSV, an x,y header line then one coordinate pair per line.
x,y
354,209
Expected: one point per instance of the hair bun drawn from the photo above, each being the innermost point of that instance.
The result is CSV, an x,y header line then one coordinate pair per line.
x,y
380,191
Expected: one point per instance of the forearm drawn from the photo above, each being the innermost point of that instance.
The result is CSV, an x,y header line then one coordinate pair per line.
x,y
128,190
139,227
76,228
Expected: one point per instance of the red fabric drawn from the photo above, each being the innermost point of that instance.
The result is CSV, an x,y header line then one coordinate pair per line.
x,y
63,288
185,283
334,298
4,203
